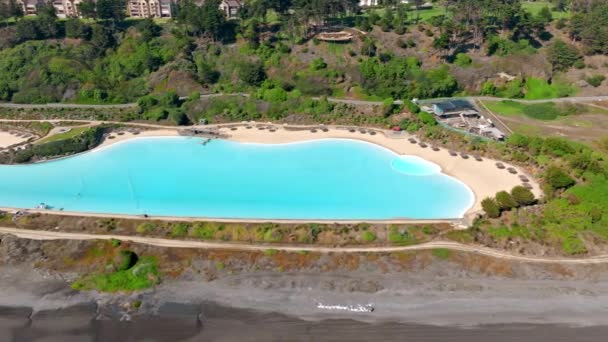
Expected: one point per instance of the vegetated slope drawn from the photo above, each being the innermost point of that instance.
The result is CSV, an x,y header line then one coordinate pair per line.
x,y
395,52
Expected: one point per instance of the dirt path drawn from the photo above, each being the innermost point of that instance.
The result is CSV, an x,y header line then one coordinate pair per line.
x,y
455,246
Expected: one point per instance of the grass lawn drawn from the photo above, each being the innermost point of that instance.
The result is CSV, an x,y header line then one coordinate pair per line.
x,y
425,14
538,89
545,111
535,7
505,108
76,131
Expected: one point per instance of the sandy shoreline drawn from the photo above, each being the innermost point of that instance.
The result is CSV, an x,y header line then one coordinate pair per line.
x,y
482,177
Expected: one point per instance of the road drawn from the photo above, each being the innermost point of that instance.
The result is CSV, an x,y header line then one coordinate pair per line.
x,y
160,242
331,99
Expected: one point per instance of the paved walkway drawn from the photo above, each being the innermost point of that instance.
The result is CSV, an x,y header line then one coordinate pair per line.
x,y
455,246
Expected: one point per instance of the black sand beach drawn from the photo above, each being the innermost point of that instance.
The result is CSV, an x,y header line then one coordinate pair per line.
x,y
211,322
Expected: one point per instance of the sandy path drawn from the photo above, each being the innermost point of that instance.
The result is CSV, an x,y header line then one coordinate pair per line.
x,y
46,235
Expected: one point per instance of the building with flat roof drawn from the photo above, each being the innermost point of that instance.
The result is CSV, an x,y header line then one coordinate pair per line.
x,y
454,108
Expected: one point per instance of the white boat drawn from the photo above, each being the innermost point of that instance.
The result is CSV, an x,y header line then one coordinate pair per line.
x,y
358,308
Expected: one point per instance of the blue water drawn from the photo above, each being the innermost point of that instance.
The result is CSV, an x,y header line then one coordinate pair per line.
x,y
178,176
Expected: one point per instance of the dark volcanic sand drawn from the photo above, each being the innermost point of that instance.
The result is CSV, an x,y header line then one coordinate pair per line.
x,y
179,322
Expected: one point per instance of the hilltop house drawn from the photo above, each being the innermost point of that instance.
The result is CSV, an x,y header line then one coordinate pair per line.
x,y
231,8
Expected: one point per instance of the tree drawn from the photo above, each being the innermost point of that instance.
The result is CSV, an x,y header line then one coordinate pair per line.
x,y
544,15
75,28
589,25
170,99
113,10
102,37
46,19
148,29
387,19
88,9
252,73
417,5
557,178
205,72
523,196
368,48
27,30
490,207
562,55
505,201
14,10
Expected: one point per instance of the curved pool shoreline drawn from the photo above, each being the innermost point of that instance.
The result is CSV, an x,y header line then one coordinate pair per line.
x,y
322,145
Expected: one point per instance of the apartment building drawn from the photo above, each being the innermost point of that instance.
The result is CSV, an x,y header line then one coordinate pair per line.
x,y
134,8
150,8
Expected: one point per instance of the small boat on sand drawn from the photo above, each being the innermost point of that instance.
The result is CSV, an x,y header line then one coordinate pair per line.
x,y
357,308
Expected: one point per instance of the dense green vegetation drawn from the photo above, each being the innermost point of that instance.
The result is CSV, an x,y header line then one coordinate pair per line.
x,y
574,211
107,59
85,141
130,273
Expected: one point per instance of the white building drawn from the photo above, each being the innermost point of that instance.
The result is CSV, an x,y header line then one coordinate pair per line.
x,y
150,8
368,3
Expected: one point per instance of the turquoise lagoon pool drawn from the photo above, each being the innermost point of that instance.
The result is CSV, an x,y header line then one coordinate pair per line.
x,y
330,179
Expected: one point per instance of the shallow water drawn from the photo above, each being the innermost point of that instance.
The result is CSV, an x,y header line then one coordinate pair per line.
x,y
179,176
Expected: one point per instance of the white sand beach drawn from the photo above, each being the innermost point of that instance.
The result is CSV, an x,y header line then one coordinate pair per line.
x,y
7,139
129,135
483,177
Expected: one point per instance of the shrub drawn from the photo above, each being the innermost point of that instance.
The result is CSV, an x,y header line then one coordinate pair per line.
x,y
505,201
595,80
179,230
427,118
398,237
368,236
518,140
463,60
488,88
368,48
522,196
145,228
142,275
156,114
205,231
490,207
557,178
318,64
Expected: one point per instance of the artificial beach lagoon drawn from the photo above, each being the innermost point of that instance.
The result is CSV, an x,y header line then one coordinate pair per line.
x,y
323,179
